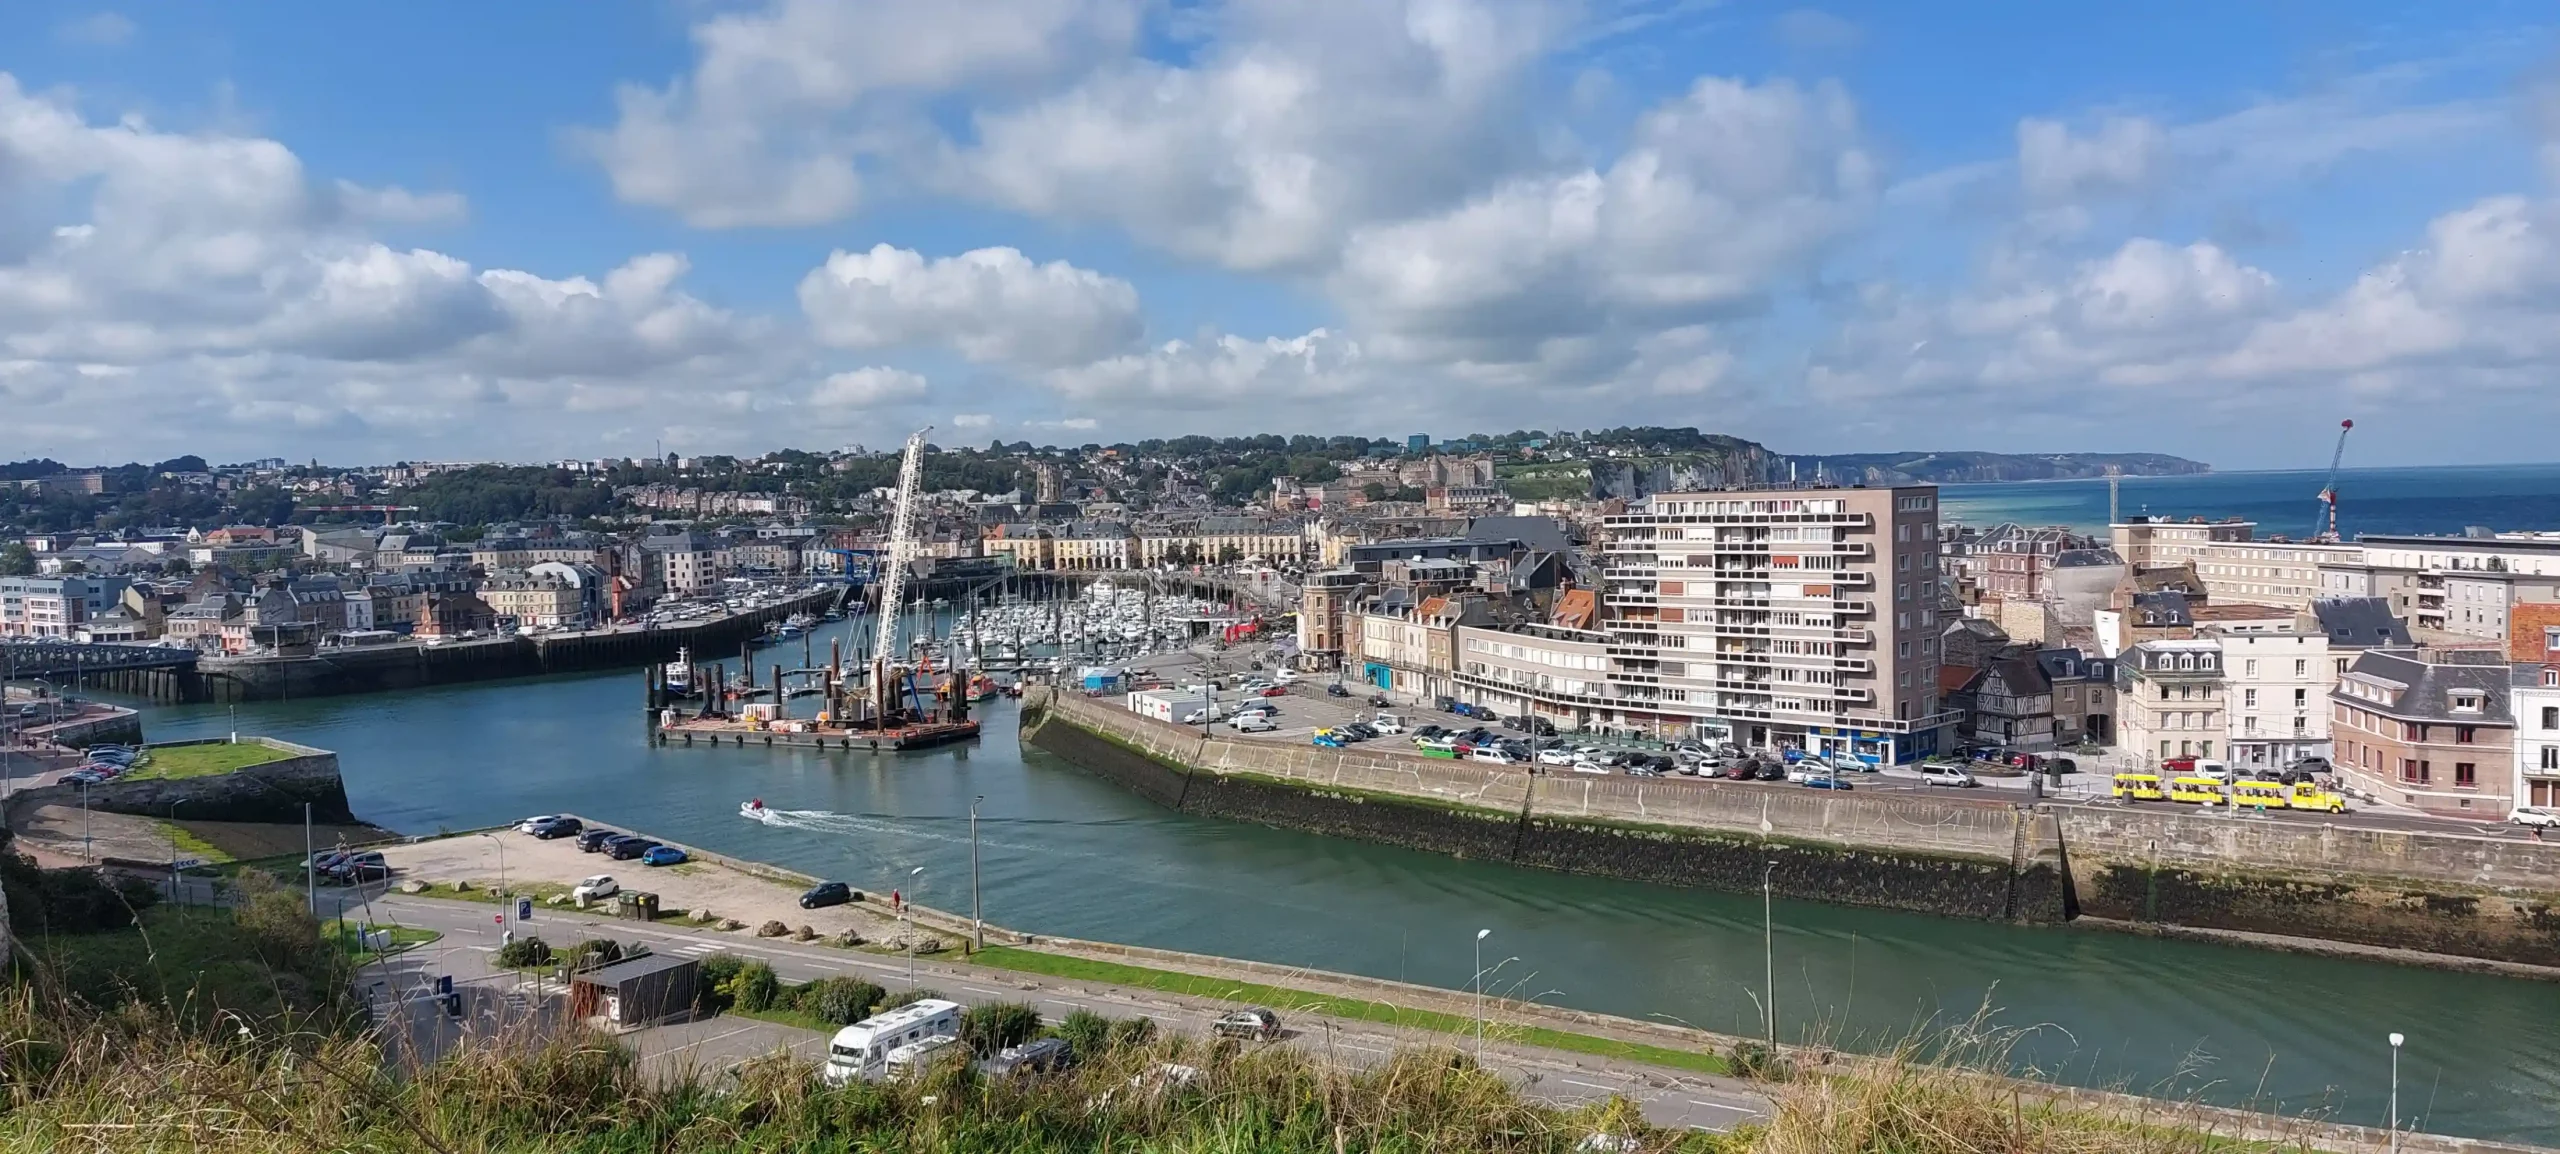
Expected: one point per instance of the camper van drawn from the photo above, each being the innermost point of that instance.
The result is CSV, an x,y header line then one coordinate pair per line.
x,y
861,1051
910,1061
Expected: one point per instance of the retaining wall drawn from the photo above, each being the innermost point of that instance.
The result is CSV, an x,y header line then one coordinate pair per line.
x,y
1940,855
273,792
2439,893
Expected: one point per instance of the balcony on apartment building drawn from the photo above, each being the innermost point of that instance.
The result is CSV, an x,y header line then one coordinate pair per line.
x,y
1651,520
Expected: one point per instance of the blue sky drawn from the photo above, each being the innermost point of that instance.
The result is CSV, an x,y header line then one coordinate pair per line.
x,y
545,230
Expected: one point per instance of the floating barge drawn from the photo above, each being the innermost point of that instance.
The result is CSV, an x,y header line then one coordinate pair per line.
x,y
716,731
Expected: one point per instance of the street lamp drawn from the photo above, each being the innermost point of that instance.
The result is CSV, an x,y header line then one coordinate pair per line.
x,y
502,871
84,821
175,898
1479,984
1769,955
2396,1039
977,913
906,910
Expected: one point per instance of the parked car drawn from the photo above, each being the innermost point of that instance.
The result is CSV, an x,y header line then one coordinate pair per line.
x,y
1276,691
1769,771
2537,816
1038,1056
360,867
1585,765
327,860
1336,690
1556,756
558,828
1387,723
1740,770
2312,765
1946,773
1252,723
1326,740
592,840
1435,744
663,855
826,894
1828,781
627,848
1257,1025
599,886
526,826
1489,753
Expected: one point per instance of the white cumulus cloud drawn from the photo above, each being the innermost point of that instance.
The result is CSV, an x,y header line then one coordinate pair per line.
x,y
992,305
868,388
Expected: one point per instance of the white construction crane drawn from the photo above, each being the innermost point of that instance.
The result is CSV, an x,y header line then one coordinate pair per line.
x,y
902,551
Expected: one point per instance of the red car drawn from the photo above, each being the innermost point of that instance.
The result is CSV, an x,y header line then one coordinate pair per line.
x,y
1276,691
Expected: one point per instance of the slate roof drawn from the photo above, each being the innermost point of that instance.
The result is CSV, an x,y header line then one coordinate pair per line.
x,y
2360,623
2431,676
2161,609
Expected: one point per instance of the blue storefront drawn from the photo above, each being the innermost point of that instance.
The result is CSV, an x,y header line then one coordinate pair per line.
x,y
1871,746
1376,673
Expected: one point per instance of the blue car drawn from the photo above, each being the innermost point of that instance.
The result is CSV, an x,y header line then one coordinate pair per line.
x,y
1828,782
662,855
1327,741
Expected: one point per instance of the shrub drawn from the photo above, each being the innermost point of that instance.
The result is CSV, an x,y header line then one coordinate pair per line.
x,y
906,998
525,951
595,952
711,993
1086,1032
992,1027
755,988
842,1001
1129,1033
79,900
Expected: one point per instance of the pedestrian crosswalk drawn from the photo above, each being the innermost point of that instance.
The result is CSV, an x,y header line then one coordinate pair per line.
x,y
694,949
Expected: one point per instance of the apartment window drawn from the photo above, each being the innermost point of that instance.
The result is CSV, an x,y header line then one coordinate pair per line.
x,y
2301,697
1902,593
2249,698
1904,650
2164,693
2302,668
1902,621
2409,770
2301,725
1906,679
2466,703
2465,775
2249,668
2249,724
2551,717
2550,758
2465,735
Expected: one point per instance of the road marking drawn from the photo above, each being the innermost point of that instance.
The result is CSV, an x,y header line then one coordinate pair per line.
x,y
989,993
1585,1085
1723,1106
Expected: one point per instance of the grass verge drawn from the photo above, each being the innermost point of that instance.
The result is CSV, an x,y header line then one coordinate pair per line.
x,y
191,846
185,761
343,935
1335,1006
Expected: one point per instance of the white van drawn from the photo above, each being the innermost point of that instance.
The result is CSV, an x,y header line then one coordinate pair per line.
x,y
914,1058
861,1050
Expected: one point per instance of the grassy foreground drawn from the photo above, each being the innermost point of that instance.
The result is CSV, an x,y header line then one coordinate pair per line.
x,y
1335,1006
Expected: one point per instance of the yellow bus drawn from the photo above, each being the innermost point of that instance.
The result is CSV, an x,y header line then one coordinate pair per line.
x,y
2196,790
2260,795
2308,796
2138,786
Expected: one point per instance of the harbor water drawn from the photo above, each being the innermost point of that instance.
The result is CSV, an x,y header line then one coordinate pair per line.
x,y
1064,853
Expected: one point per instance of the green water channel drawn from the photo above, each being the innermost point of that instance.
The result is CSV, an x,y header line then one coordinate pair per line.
x,y
1067,854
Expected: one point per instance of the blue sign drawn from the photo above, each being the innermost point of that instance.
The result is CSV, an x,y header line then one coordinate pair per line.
x,y
524,909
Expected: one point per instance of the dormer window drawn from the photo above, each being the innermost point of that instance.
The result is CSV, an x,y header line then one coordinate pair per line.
x,y
2466,703
2551,679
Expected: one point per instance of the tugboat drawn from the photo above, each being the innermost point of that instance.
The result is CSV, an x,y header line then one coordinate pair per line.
x,y
677,676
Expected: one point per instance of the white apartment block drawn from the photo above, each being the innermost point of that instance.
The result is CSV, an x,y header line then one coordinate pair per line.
x,y
2276,695
2537,705
2464,586
1778,617
2233,564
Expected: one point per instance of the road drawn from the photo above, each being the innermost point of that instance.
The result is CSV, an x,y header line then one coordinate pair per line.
x,y
1669,1098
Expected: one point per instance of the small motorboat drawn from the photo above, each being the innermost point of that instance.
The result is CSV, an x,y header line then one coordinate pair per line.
x,y
753,810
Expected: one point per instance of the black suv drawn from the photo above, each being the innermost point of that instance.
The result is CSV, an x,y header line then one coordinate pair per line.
x,y
628,847
558,827
592,841
826,894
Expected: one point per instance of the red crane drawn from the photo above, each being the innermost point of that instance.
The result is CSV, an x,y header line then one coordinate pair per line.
x,y
2327,531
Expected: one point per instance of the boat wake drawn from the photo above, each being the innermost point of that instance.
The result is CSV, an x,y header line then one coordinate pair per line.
x,y
887,827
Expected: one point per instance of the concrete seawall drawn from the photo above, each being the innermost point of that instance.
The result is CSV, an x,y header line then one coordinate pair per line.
x,y
372,669
1937,855
274,791
2441,898
2438,893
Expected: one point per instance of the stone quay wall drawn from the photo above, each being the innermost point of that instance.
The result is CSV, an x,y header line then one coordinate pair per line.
x,y
2446,895
2440,893
1940,855
271,792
